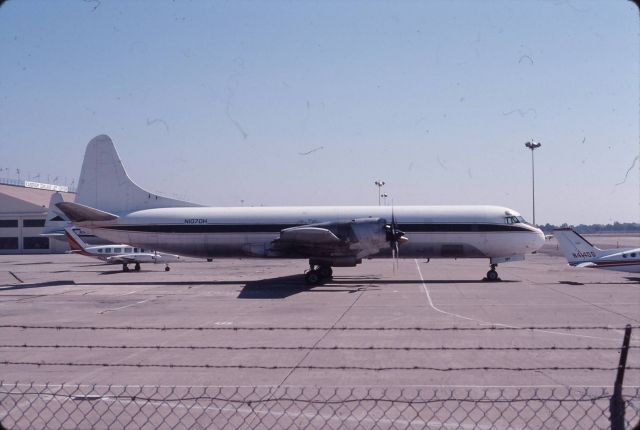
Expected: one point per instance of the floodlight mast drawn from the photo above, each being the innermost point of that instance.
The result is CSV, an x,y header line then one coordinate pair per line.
x,y
380,184
532,145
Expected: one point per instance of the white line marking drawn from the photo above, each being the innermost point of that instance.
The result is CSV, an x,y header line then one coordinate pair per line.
x,y
435,308
130,292
123,307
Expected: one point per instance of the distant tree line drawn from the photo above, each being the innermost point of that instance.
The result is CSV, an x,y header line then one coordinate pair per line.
x,y
616,227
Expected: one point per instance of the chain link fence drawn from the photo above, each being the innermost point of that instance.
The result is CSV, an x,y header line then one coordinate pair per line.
x,y
34,406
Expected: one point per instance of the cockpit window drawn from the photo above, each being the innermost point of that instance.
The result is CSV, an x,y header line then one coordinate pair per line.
x,y
512,220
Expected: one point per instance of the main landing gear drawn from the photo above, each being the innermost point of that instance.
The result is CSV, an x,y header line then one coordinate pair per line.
x,y
492,275
318,274
167,268
125,267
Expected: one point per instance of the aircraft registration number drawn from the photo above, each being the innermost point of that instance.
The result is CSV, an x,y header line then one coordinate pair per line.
x,y
195,220
585,254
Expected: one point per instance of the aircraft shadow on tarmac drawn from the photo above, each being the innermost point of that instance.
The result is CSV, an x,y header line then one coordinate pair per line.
x,y
632,280
286,286
36,285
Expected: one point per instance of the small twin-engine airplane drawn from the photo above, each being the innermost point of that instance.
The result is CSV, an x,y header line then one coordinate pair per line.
x,y
118,254
109,205
579,252
57,224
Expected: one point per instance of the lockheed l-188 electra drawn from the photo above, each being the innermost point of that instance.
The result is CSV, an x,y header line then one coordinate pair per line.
x,y
111,206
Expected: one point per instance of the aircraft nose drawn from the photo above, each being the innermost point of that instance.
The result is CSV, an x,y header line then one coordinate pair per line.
x,y
538,242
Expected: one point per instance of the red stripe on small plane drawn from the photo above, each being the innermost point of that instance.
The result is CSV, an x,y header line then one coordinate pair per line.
x,y
76,248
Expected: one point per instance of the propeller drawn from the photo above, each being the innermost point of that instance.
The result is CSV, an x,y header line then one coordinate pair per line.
x,y
395,237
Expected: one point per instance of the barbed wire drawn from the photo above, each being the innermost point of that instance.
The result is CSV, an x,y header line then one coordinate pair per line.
x,y
227,328
275,399
311,367
328,348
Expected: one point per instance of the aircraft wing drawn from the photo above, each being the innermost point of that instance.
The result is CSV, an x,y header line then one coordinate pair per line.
x,y
131,258
358,238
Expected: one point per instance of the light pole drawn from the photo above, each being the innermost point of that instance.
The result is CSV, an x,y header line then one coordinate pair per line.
x,y
532,145
384,197
379,183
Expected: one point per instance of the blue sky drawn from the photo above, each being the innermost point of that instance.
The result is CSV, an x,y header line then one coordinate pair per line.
x,y
291,103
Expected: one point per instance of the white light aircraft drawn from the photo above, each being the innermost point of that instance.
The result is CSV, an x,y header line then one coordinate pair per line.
x,y
580,253
109,205
57,224
118,254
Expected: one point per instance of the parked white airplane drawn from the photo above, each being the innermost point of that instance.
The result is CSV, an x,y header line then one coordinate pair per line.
x,y
109,205
579,252
57,224
118,254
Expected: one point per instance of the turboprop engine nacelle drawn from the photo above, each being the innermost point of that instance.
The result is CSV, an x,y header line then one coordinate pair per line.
x,y
369,232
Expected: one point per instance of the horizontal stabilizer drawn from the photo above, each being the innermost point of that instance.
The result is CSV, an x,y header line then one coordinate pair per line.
x,y
589,264
81,213
57,233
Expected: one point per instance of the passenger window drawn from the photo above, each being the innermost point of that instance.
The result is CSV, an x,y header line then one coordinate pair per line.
x,y
633,254
100,251
135,249
117,250
127,250
624,255
107,250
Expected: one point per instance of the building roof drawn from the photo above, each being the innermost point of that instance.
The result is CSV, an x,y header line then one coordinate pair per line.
x,y
34,196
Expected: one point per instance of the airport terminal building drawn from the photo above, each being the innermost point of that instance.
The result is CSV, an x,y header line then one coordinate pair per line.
x,y
23,209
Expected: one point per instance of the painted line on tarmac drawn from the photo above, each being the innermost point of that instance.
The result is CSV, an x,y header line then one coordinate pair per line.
x,y
482,322
124,307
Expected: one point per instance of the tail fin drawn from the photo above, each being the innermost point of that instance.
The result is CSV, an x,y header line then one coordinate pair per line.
x,y
104,184
75,243
56,220
81,213
575,248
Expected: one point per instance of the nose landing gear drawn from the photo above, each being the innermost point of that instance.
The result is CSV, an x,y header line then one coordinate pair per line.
x,y
492,275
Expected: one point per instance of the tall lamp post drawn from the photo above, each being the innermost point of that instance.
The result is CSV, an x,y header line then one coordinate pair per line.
x,y
532,145
384,198
379,183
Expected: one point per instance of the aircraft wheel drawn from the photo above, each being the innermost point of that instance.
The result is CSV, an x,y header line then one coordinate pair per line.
x,y
137,267
312,277
492,275
167,268
125,268
325,272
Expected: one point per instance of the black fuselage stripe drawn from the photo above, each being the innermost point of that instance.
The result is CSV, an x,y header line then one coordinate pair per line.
x,y
276,228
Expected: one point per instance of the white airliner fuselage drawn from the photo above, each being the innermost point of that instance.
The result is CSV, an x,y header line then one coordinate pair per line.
x,y
433,231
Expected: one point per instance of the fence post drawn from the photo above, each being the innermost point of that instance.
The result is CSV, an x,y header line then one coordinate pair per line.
x,y
616,404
